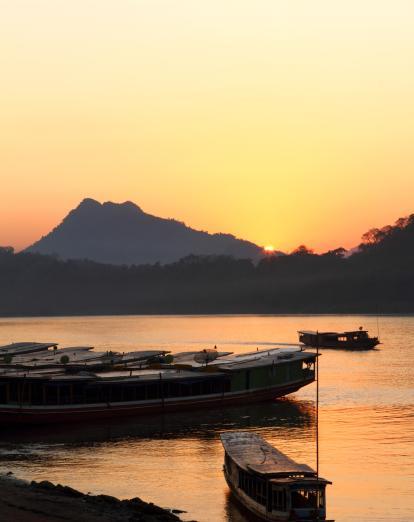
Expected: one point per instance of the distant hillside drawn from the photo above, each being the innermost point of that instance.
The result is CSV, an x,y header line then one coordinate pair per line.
x,y
124,234
379,277
390,245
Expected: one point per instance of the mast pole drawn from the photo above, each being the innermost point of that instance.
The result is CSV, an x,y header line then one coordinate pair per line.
x,y
378,330
317,424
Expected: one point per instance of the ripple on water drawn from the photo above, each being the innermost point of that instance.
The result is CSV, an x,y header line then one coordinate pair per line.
x,y
366,419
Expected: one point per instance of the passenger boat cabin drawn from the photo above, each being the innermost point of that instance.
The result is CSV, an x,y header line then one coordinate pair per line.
x,y
354,340
270,484
88,389
70,391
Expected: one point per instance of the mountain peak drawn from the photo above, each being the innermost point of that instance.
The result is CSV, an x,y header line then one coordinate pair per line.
x,y
89,203
127,205
122,233
93,204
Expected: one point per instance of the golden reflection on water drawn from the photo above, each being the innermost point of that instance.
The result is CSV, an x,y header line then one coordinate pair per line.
x,y
366,419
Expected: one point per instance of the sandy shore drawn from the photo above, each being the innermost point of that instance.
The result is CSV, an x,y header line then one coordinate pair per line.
x,y
45,502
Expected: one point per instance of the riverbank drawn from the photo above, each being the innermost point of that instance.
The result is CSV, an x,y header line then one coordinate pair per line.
x,y
44,501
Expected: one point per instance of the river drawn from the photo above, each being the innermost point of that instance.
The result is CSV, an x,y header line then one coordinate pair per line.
x,y
366,418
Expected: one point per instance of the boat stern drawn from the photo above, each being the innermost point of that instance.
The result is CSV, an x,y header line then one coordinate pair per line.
x,y
308,501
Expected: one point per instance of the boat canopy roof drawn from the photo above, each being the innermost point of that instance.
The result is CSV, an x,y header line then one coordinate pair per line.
x,y
252,453
300,481
83,363
26,346
312,332
261,358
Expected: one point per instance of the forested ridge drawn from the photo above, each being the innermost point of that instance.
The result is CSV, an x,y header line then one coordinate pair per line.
x,y
378,278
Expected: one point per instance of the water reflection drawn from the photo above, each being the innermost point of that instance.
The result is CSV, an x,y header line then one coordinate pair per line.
x,y
366,419
148,456
282,414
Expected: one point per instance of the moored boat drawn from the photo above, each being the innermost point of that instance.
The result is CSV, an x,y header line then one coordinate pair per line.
x,y
72,392
25,348
352,340
268,483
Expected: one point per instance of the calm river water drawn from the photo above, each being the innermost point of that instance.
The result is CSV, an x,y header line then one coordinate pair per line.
x,y
366,419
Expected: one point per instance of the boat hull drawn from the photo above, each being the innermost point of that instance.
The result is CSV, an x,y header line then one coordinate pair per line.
x,y
367,345
15,415
257,512
345,341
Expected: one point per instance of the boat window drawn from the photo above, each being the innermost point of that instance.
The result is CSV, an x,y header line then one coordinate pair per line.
x,y
75,392
65,394
308,366
321,498
253,486
14,392
153,391
307,498
279,500
3,393
140,393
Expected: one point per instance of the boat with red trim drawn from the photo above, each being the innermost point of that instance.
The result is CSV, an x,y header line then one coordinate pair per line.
x,y
78,386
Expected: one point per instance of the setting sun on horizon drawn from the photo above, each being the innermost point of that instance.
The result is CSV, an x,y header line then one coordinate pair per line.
x,y
284,123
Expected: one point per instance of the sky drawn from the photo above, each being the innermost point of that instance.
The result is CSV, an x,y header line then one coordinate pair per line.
x,y
282,122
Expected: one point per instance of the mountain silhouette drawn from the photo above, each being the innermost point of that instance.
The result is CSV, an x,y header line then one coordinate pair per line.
x,y
124,234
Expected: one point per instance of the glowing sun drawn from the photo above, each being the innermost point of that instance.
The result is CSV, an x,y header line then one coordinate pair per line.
x,y
269,249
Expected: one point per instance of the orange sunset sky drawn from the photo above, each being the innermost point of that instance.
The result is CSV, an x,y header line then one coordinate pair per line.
x,y
282,122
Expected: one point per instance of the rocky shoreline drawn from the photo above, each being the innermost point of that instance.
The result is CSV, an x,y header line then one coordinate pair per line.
x,y
47,502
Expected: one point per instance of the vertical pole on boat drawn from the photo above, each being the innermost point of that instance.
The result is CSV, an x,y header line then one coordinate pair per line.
x,y
161,391
317,426
378,330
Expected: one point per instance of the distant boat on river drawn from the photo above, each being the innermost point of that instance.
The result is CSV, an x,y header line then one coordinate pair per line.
x,y
79,384
268,483
353,340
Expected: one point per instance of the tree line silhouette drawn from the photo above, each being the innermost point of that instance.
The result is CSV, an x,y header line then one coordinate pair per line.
x,y
378,277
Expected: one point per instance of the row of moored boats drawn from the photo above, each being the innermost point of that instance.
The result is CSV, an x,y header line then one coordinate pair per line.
x,y
41,383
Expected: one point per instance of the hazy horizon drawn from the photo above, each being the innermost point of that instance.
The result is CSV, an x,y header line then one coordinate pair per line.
x,y
20,248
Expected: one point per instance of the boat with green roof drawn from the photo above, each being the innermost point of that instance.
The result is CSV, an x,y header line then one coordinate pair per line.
x,y
80,386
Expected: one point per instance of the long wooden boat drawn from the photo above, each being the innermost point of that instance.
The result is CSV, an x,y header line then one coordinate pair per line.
x,y
268,483
25,348
353,340
54,395
77,359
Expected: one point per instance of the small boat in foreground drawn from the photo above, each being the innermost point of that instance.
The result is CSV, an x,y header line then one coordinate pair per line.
x,y
268,483
354,340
